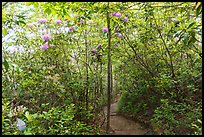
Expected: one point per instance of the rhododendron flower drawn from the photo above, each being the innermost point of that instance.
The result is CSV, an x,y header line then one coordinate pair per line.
x,y
46,37
94,51
114,13
99,46
118,14
71,28
126,19
45,46
42,20
120,35
30,25
116,45
58,21
105,29
82,21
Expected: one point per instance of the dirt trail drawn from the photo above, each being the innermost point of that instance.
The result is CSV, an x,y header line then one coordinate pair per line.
x,y
120,125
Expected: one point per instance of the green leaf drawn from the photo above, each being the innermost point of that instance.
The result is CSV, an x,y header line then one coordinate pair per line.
x,y
198,10
2,119
35,4
186,38
28,116
19,22
48,11
178,33
64,12
6,65
196,59
5,32
190,25
29,3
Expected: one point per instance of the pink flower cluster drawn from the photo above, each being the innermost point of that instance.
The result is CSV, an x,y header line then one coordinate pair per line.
x,y
46,37
120,35
30,25
81,21
117,14
71,28
99,46
94,51
125,19
45,46
105,30
58,21
42,20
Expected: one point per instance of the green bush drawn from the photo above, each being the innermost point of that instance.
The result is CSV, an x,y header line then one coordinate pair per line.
x,y
175,118
56,121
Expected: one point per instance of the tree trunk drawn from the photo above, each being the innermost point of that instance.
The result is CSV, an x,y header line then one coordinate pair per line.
x,y
109,73
87,73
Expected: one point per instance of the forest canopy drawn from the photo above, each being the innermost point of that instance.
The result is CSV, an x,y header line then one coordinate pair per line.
x,y
62,62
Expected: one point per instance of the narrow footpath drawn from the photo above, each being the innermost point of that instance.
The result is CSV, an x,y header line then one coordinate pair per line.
x,y
120,125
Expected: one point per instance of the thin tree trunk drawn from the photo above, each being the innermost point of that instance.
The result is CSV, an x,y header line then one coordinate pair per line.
x,y
87,73
109,73
111,79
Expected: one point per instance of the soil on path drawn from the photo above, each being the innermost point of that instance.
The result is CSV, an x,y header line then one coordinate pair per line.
x,y
120,125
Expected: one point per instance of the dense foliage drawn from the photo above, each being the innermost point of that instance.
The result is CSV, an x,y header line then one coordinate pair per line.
x,y
161,76
54,65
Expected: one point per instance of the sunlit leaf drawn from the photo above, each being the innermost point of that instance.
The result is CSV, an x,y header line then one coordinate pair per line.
x,y
198,10
28,116
190,25
4,31
48,11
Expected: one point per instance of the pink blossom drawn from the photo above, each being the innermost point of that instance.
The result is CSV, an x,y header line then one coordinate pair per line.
x,y
94,51
105,29
114,13
30,25
42,20
71,28
45,46
118,14
82,21
58,21
46,37
126,19
120,35
99,46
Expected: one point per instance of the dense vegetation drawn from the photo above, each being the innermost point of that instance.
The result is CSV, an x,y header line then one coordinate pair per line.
x,y
56,57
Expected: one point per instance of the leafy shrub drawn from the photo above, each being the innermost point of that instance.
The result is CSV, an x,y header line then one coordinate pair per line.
x,y
58,120
173,118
